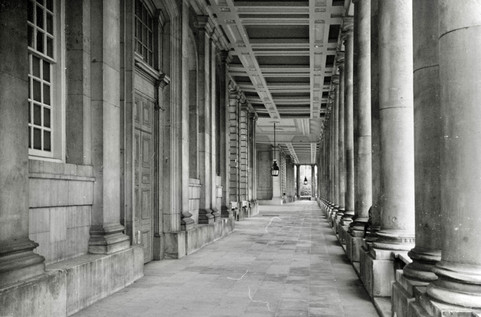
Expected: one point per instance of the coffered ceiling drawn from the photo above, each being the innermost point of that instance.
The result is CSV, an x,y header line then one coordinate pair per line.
x,y
283,56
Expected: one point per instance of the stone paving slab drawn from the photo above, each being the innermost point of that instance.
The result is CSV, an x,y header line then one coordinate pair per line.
x,y
284,262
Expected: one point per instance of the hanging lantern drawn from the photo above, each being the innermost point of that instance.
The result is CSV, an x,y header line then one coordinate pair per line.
x,y
305,180
275,167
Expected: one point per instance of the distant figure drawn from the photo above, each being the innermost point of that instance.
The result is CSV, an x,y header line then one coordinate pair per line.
x,y
284,198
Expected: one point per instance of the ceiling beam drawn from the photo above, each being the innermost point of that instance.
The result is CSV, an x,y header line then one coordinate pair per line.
x,y
293,153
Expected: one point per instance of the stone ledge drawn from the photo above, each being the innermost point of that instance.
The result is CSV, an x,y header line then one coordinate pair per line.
x,y
90,277
203,235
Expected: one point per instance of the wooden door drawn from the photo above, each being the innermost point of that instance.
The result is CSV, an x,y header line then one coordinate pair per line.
x,y
144,170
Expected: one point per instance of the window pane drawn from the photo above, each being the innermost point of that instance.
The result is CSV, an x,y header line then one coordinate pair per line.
x,y
49,23
37,115
36,91
46,71
29,112
39,41
36,66
50,5
30,11
46,94
29,88
29,137
50,47
39,17
30,36
47,141
37,139
46,117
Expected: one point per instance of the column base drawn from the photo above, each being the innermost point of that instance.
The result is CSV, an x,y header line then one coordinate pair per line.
x,y
457,285
18,262
107,239
186,223
421,269
216,214
425,306
206,216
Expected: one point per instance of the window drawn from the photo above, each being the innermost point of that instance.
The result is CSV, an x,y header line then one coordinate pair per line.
x,y
144,32
43,105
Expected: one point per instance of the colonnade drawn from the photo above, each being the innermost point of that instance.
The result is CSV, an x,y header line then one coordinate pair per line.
x,y
400,153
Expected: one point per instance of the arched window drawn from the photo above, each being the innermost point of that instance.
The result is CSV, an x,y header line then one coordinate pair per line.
x,y
144,32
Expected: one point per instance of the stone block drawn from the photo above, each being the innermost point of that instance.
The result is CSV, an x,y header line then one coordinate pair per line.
x,y
58,224
400,300
377,274
44,295
175,244
424,306
39,220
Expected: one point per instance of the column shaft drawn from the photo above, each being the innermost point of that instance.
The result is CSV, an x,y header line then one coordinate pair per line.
x,y
375,213
348,121
459,271
396,123
427,138
341,144
362,110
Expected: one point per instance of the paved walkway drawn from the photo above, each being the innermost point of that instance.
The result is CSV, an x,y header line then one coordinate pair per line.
x,y
284,262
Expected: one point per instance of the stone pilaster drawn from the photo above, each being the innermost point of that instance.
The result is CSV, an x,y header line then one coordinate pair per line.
x,y
348,121
213,128
106,233
459,271
18,262
203,28
362,126
397,144
224,133
234,114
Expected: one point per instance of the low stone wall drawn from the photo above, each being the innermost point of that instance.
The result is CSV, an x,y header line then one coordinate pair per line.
x,y
72,285
202,235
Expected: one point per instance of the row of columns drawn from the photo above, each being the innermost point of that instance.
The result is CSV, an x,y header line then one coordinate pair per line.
x,y
400,149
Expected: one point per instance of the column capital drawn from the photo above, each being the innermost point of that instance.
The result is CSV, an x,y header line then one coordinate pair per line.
x,y
202,23
340,59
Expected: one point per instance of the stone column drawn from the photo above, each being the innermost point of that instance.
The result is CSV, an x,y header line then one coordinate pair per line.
x,y
341,163
298,180
106,232
375,213
348,120
224,133
428,143
252,159
313,182
397,124
397,144
459,271
362,124
427,136
204,139
17,259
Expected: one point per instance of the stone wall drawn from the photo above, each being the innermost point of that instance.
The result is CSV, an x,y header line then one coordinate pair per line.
x,y
61,197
